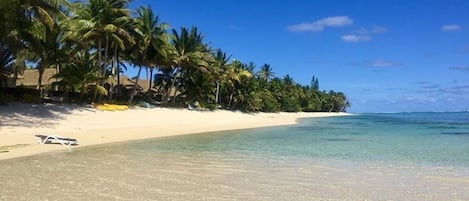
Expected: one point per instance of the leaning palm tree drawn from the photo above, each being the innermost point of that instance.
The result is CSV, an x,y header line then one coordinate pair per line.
x,y
233,75
191,55
220,64
40,35
151,37
46,45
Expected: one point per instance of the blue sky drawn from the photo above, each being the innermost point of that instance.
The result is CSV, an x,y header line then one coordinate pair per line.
x,y
386,56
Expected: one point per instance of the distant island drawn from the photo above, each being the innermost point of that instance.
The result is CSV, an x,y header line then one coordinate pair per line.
x,y
77,52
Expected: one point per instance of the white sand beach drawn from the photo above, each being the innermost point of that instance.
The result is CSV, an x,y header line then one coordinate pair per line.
x,y
20,122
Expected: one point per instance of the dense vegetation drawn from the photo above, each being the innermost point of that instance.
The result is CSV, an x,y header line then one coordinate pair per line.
x,y
92,42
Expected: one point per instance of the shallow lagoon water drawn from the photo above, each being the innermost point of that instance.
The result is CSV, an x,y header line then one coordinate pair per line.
x,y
413,156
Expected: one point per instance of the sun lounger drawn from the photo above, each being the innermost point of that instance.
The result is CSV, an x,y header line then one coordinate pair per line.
x,y
45,139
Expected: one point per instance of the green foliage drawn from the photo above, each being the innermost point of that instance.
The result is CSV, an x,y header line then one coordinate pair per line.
x,y
315,84
269,102
211,107
101,90
290,104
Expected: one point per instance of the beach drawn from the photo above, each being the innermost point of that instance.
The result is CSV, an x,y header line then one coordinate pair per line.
x,y
403,156
19,123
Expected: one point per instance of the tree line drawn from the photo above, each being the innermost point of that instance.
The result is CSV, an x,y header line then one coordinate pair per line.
x,y
91,43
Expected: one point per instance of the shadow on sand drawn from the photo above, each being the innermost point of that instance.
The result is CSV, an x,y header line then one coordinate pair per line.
x,y
35,115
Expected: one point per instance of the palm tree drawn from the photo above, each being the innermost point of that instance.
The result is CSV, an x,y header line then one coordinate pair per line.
x,y
266,73
13,24
233,75
38,31
190,55
101,23
80,73
315,84
288,81
45,11
105,26
337,102
46,44
220,64
151,37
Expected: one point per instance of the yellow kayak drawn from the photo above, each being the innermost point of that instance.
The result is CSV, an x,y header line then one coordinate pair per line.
x,y
111,107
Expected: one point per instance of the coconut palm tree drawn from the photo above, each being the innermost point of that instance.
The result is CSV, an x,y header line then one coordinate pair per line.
x,y
151,37
336,102
190,55
13,24
102,24
105,26
39,31
44,11
233,75
220,64
80,73
265,73
46,45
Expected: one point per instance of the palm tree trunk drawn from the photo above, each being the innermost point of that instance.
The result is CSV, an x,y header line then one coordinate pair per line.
x,y
217,93
95,93
118,74
173,101
57,70
168,90
82,91
151,79
147,73
168,95
131,99
105,61
106,55
39,80
111,87
230,100
99,57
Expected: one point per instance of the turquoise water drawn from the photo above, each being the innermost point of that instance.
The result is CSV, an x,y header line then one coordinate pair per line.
x,y
428,138
407,156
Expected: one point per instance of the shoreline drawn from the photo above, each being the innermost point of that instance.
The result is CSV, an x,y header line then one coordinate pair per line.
x,y
20,122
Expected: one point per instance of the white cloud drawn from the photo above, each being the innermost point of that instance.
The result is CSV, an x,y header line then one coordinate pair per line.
x,y
459,68
355,38
378,30
319,25
373,31
450,27
363,34
383,63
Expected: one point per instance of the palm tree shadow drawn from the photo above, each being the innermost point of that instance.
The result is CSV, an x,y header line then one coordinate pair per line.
x,y
35,115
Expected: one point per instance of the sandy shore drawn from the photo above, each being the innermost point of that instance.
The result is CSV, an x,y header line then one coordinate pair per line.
x,y
20,122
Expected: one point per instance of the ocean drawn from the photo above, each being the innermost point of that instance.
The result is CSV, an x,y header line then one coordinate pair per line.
x,y
401,156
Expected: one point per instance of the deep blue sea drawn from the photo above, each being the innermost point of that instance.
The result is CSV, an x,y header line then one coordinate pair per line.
x,y
401,156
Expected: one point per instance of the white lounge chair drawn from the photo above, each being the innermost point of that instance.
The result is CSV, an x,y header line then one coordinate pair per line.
x,y
45,139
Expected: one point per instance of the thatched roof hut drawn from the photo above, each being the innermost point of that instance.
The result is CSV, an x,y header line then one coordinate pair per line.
x,y
28,78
